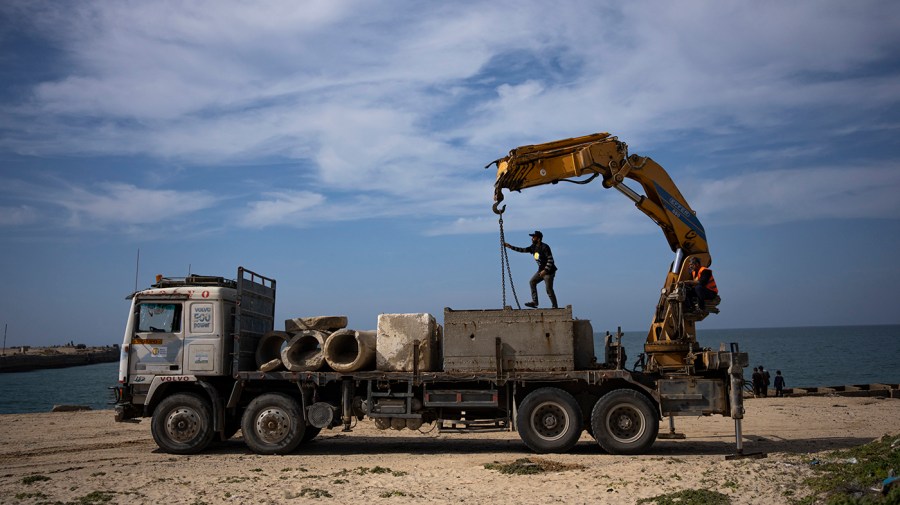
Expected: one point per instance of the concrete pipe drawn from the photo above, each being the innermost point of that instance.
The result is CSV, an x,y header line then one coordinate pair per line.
x,y
304,351
320,323
269,348
350,350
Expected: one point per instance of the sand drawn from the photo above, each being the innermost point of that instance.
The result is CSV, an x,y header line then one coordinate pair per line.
x,y
87,456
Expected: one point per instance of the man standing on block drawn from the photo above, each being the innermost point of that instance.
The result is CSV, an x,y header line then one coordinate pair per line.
x,y
546,267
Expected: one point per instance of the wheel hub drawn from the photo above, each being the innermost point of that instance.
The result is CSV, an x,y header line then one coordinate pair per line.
x,y
183,425
273,425
550,421
625,423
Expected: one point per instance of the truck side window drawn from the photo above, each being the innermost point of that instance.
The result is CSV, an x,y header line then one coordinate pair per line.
x,y
160,318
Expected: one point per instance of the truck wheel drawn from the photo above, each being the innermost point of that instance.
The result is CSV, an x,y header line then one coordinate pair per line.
x,y
182,424
273,424
624,422
549,420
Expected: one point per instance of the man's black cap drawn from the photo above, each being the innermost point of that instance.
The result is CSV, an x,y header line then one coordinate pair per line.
x,y
537,234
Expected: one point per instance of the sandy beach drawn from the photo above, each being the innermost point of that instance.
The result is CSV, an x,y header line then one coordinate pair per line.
x,y
72,456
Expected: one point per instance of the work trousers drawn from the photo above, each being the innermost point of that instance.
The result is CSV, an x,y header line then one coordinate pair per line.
x,y
700,294
548,282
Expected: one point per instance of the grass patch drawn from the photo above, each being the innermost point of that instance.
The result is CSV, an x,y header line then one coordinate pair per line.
x,y
361,470
689,497
847,477
531,466
388,494
25,496
31,479
94,497
312,492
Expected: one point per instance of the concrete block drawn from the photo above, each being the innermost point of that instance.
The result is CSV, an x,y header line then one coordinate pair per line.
x,y
530,340
396,338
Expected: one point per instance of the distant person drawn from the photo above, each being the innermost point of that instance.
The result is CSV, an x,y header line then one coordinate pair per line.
x,y
766,380
704,286
546,267
779,384
757,383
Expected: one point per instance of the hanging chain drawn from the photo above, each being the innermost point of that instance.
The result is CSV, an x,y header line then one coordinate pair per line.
x,y
504,268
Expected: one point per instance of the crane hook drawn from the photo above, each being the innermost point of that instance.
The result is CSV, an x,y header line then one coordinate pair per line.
x,y
498,197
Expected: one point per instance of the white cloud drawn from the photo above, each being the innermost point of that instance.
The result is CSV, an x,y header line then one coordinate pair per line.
x,y
125,204
392,109
17,216
802,194
286,208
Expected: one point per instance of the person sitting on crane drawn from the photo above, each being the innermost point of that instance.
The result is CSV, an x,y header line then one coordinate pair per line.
x,y
546,267
703,286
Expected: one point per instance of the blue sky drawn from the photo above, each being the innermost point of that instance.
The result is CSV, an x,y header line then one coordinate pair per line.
x,y
339,146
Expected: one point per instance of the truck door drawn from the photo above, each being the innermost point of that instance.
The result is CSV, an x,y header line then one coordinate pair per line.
x,y
158,341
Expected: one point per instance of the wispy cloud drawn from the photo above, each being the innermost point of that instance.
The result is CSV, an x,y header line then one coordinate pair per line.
x,y
390,110
18,216
802,194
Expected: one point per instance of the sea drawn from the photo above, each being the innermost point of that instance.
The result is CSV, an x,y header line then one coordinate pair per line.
x,y
807,356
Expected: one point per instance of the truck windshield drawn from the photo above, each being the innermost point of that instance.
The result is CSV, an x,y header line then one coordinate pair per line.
x,y
160,318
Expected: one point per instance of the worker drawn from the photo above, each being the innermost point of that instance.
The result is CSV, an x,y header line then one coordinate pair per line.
x,y
779,384
546,267
703,283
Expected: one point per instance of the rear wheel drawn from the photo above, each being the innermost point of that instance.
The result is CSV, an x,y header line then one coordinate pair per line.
x,y
624,422
182,424
549,420
273,424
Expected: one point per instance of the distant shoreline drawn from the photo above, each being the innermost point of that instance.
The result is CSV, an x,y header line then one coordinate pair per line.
x,y
30,359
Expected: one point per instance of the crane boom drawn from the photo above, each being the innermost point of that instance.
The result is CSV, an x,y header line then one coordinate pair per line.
x,y
604,155
671,341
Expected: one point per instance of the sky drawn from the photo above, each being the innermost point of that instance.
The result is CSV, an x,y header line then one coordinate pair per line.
x,y
339,147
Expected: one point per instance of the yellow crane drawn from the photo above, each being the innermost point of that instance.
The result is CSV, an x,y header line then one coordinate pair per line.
x,y
671,345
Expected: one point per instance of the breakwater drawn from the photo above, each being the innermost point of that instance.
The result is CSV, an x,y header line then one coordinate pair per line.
x,y
882,390
26,362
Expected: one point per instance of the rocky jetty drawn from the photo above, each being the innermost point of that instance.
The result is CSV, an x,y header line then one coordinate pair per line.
x,y
27,359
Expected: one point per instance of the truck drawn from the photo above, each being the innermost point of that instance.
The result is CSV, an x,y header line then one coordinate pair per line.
x,y
202,359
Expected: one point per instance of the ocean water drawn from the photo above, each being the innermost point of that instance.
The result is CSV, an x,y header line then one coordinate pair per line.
x,y
807,356
40,390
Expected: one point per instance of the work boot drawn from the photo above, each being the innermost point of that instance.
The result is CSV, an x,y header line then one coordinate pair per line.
x,y
533,305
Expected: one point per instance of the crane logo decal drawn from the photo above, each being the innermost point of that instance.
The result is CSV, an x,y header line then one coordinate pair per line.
x,y
677,209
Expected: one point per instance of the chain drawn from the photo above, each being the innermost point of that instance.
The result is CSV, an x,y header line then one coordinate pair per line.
x,y
504,268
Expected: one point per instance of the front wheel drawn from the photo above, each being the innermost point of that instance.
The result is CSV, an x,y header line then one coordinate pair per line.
x,y
273,424
624,422
182,424
549,420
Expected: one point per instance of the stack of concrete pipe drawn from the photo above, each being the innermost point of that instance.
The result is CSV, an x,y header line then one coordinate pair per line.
x,y
320,343
308,344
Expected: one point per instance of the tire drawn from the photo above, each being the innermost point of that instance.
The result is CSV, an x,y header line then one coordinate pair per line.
x,y
549,420
182,424
624,422
273,424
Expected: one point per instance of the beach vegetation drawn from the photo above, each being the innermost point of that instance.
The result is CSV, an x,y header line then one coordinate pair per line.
x,y
312,492
388,494
688,497
31,479
531,466
95,497
854,476
25,496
